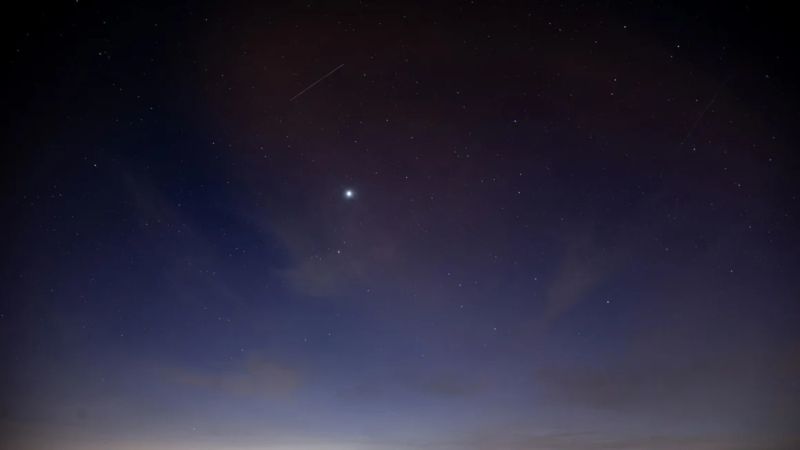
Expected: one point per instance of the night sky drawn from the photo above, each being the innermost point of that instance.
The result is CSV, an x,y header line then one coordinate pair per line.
x,y
368,225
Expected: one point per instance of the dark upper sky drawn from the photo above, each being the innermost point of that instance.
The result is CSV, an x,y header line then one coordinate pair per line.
x,y
480,226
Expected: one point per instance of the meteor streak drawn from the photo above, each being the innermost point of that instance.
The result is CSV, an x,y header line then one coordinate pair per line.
x,y
316,82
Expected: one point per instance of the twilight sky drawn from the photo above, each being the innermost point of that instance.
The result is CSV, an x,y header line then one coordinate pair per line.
x,y
472,225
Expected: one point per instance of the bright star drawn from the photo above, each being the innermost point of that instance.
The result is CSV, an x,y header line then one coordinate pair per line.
x,y
349,193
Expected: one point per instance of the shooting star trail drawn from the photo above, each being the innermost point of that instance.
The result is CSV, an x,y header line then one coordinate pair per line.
x,y
704,111
317,82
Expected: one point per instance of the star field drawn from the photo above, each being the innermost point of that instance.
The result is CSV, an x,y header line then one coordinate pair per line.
x,y
300,225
